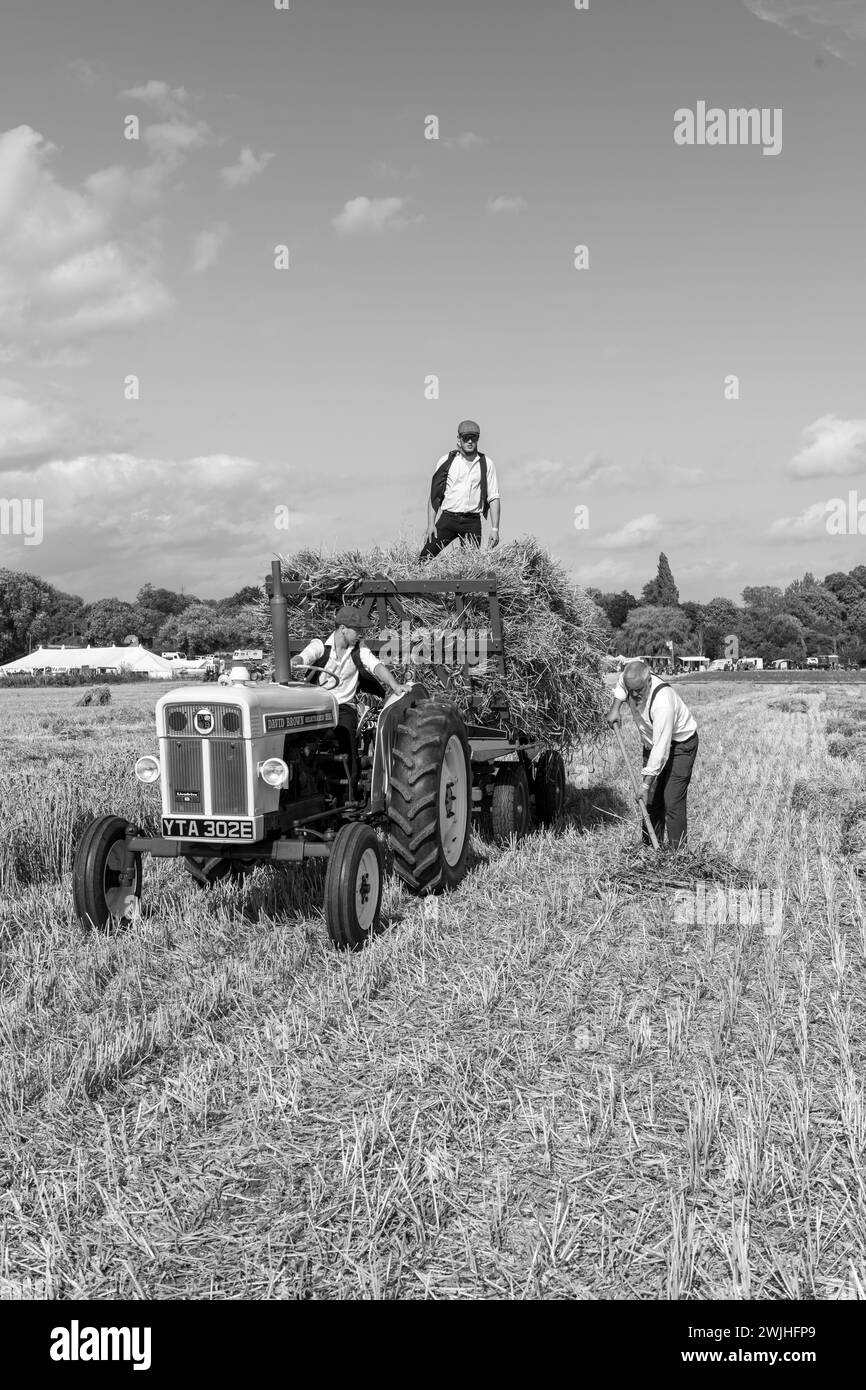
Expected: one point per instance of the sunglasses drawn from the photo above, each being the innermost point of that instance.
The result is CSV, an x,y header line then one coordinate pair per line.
x,y
468,438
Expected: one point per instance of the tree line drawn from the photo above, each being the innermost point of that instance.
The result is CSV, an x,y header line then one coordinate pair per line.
x,y
33,613
810,617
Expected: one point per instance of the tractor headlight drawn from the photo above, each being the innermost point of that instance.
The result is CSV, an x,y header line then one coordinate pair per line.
x,y
274,771
147,769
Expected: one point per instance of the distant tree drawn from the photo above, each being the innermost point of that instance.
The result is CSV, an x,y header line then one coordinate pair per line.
x,y
108,621
617,606
197,631
648,629
764,596
32,610
251,593
846,588
164,601
662,592
722,619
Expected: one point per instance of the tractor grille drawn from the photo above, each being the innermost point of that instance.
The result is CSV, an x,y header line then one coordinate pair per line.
x,y
185,777
228,773
180,721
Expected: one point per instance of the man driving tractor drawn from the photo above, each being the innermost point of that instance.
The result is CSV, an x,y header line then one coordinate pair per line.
x,y
346,658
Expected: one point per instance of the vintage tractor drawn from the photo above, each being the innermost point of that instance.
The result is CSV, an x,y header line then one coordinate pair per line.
x,y
264,772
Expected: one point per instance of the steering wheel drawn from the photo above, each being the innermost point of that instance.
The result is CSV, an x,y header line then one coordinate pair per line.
x,y
335,680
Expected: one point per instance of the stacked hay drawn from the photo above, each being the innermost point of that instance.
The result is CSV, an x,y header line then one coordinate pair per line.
x,y
99,696
552,631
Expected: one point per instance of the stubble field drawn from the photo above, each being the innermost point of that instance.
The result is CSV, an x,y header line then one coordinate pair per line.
x,y
541,1086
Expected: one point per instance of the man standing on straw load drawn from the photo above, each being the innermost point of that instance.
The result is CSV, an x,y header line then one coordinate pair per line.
x,y
464,488
669,734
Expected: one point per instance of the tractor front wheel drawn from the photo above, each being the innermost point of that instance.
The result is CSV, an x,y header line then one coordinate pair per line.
x,y
106,876
353,886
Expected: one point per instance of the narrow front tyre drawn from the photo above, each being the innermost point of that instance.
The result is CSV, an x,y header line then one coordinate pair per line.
x,y
106,876
353,886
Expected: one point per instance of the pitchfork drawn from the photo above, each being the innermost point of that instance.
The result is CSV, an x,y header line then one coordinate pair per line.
x,y
631,772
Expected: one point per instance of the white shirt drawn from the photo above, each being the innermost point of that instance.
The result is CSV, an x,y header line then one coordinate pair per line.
x,y
343,667
463,488
671,720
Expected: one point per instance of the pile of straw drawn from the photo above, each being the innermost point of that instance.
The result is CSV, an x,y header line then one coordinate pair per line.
x,y
552,631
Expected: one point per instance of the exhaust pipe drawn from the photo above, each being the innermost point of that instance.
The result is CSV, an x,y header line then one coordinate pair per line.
x,y
280,627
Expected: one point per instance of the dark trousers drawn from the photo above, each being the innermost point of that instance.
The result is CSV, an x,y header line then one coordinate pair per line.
x,y
667,806
450,526
347,726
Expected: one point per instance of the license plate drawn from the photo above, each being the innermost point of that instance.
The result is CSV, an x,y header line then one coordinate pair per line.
x,y
207,828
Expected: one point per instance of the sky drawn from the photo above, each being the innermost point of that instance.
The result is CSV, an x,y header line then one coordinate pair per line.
x,y
185,405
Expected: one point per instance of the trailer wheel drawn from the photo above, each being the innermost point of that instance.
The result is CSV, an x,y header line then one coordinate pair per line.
x,y
550,787
509,807
99,896
429,797
353,886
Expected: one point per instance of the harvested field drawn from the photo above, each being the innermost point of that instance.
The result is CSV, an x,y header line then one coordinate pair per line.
x,y
545,1085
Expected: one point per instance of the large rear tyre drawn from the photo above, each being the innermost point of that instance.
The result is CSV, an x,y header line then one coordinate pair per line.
x,y
430,797
509,808
353,886
549,783
106,878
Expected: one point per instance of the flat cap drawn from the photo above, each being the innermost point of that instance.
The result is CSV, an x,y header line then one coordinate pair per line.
x,y
352,617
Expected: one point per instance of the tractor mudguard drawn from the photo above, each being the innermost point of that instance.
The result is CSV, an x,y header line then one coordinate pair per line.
x,y
386,733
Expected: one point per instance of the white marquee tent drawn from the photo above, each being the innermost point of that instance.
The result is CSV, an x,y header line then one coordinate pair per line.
x,y
98,659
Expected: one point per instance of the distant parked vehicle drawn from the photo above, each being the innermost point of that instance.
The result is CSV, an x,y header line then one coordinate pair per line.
x,y
811,663
173,656
722,663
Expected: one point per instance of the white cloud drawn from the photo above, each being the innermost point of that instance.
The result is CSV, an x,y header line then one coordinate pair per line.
x,y
641,530
809,525
366,215
505,204
37,425
831,448
168,101
207,246
468,140
248,165
169,139
191,514
75,261
540,474
839,26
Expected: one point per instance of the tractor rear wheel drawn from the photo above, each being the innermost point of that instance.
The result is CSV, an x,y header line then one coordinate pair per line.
x,y
430,797
102,893
509,807
549,782
353,886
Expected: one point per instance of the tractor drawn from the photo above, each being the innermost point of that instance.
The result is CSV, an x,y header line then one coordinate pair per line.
x,y
262,771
